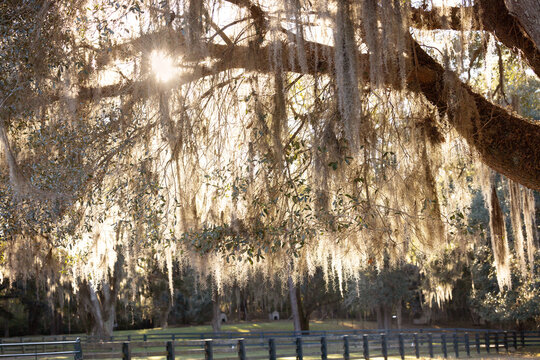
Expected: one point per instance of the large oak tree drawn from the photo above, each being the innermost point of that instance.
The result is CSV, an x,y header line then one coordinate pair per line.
x,y
238,129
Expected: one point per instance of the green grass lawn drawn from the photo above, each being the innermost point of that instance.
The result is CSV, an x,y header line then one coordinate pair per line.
x,y
246,327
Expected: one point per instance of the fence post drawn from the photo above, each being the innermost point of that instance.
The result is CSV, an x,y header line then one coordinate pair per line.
x,y
1,347
384,346
430,345
467,345
522,338
144,337
497,341
443,344
365,343
346,353
126,354
170,350
514,335
78,349
272,348
401,346
486,339
416,348
505,340
456,344
241,350
299,352
477,342
324,348
208,350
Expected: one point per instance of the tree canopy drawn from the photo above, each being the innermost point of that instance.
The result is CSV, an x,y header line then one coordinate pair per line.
x,y
239,134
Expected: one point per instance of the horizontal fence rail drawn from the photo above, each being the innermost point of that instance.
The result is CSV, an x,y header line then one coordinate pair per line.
x,y
426,343
48,349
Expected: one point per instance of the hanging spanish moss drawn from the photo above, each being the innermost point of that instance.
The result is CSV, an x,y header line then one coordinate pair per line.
x,y
517,225
243,137
529,219
497,229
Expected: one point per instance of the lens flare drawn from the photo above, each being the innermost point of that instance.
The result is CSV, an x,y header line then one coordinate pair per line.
x,y
162,66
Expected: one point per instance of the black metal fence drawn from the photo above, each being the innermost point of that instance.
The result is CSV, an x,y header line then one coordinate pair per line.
x,y
321,344
385,344
49,349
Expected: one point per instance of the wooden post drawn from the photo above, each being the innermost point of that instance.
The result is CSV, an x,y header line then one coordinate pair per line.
x,y
443,344
346,353
384,345
456,344
365,341
497,341
78,349
467,345
430,344
522,338
241,350
505,340
486,339
126,354
272,348
514,335
416,347
477,341
208,350
401,346
324,348
144,337
299,352
170,350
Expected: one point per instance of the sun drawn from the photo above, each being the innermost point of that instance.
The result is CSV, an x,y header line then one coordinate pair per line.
x,y
162,66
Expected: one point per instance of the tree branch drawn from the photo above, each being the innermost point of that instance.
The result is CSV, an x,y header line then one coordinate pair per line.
x,y
488,15
505,142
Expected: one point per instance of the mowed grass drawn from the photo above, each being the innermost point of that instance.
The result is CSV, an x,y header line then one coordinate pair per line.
x,y
257,326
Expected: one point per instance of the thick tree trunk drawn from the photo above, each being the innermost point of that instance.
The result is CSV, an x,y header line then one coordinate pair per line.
x,y
302,313
98,306
294,305
98,309
216,312
164,315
